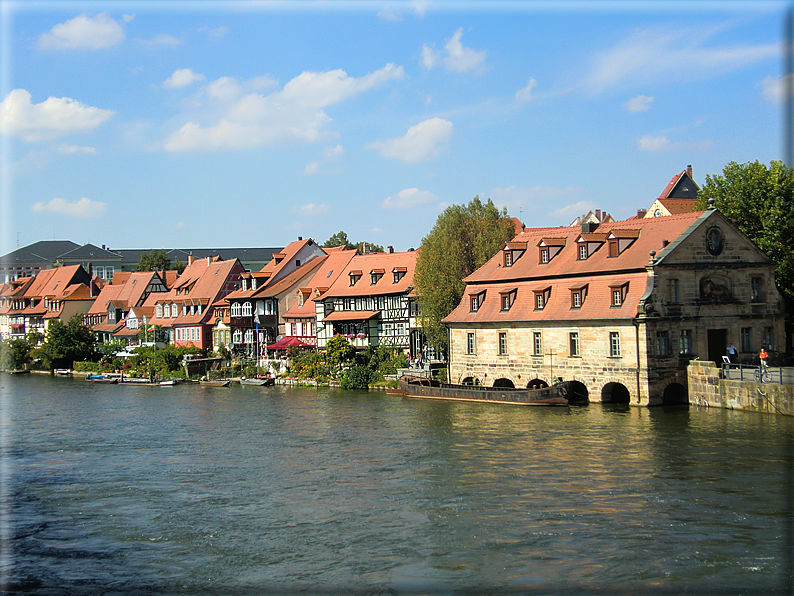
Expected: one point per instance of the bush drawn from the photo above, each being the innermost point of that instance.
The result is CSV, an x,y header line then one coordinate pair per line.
x,y
356,377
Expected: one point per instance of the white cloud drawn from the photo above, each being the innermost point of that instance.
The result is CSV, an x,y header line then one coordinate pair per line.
x,y
420,143
410,197
420,7
224,89
430,56
53,118
216,33
74,149
164,39
180,225
387,14
295,113
83,32
525,94
777,90
639,103
662,144
311,168
312,209
82,208
127,17
460,58
333,152
652,56
182,77
573,210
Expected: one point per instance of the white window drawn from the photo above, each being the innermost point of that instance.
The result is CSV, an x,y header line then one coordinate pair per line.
x,y
582,252
617,297
166,311
470,345
247,309
503,343
237,336
236,309
573,340
159,310
614,344
173,310
537,341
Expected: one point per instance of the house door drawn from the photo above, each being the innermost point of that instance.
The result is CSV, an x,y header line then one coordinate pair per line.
x,y
718,344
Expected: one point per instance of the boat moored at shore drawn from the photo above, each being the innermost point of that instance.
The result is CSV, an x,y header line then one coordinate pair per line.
x,y
559,394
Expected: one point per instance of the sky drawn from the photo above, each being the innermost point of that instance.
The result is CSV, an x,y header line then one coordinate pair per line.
x,y
250,124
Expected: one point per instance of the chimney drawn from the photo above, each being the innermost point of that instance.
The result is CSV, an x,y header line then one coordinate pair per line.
x,y
390,249
365,248
190,259
208,260
641,213
590,227
300,238
689,171
103,247
598,214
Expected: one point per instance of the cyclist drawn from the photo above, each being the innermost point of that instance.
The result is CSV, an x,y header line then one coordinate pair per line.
x,y
763,356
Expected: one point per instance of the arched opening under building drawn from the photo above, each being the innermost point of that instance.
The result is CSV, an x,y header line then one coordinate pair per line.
x,y
471,381
578,393
615,393
675,394
537,384
503,383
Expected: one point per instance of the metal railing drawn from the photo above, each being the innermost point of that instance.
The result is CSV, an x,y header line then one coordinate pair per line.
x,y
753,372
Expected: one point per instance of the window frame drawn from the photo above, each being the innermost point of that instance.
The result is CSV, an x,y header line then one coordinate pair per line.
x,y
502,343
471,343
614,344
573,345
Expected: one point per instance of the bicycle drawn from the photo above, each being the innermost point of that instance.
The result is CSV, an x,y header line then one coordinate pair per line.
x,y
762,375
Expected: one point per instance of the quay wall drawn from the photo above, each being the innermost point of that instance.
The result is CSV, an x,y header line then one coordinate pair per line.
x,y
706,388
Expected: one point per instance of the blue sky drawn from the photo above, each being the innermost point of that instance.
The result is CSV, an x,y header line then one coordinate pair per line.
x,y
179,124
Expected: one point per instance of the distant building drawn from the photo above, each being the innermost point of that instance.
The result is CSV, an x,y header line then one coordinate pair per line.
x,y
679,196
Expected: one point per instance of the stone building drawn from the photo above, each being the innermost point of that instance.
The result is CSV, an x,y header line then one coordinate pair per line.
x,y
620,309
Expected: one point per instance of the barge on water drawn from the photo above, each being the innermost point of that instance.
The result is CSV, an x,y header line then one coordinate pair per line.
x,y
559,394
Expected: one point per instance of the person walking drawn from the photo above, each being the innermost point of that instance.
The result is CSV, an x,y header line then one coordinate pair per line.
x,y
762,356
732,354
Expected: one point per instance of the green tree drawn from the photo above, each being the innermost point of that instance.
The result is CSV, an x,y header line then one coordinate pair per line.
x,y
338,239
15,354
338,350
179,266
341,239
462,240
154,260
66,342
760,201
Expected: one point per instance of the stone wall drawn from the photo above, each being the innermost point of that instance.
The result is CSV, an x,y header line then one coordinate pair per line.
x,y
706,388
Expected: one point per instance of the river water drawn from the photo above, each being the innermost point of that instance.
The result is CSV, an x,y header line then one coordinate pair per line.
x,y
191,490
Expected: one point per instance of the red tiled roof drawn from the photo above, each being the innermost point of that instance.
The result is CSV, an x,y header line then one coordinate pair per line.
x,y
678,206
385,285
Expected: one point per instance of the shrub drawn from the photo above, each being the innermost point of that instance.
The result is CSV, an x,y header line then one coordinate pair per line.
x,y
356,377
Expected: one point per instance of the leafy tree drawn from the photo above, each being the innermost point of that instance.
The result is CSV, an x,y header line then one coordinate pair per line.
x,y
760,201
462,240
66,342
179,266
154,260
341,239
356,377
338,239
338,350
15,353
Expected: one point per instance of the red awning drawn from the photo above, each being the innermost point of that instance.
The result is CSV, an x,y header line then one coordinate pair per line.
x,y
351,315
286,342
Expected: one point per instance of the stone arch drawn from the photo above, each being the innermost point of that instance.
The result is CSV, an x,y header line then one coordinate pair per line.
x,y
503,383
578,393
471,381
537,384
615,393
675,394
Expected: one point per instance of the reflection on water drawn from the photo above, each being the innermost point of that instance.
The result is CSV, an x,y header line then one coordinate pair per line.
x,y
197,489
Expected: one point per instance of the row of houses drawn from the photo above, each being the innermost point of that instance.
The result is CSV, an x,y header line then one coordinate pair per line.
x,y
620,307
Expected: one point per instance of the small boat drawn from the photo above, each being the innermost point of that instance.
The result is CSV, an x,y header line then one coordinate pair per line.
x,y
556,395
169,382
102,379
257,382
138,380
63,372
216,383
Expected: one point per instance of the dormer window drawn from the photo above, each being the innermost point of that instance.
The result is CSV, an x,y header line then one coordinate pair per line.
x,y
245,284
508,297
354,277
620,240
542,298
549,248
578,294
159,310
300,298
375,275
508,258
476,301
618,293
399,273
582,251
253,283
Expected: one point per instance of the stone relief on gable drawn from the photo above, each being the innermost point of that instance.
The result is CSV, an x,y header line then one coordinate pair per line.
x,y
715,288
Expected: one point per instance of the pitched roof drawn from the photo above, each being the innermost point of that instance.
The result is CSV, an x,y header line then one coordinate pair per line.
x,y
650,235
385,285
44,252
330,269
